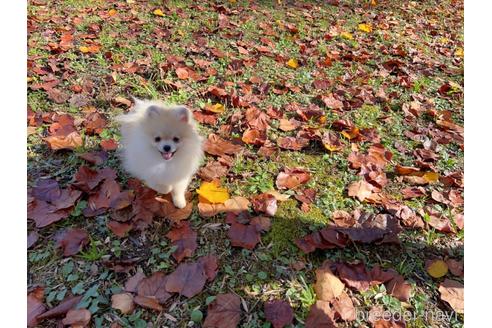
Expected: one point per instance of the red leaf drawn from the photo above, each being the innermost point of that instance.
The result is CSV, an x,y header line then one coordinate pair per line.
x,y
291,178
320,315
72,241
87,179
279,313
119,229
32,238
66,305
205,118
94,123
212,170
154,286
35,306
184,238
223,312
182,73
292,143
254,137
215,145
148,303
265,203
109,144
242,235
80,317
102,199
133,282
189,278
44,213
95,157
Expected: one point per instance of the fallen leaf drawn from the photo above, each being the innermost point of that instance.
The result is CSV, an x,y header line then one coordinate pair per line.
x,y
254,137
120,229
132,283
343,308
223,312
66,305
437,268
148,303
279,313
455,267
158,12
242,235
35,306
109,144
292,143
213,193
78,318
215,145
320,315
365,28
293,63
182,73
265,203
87,179
189,278
71,241
32,238
360,189
292,178
184,238
95,157
213,170
452,292
347,35
331,142
154,287
215,108
123,302
327,286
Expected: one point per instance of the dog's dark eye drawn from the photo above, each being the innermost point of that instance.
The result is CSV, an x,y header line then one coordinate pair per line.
x,y
176,139
157,139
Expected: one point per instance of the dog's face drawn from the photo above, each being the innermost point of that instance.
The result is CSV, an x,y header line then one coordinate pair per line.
x,y
168,129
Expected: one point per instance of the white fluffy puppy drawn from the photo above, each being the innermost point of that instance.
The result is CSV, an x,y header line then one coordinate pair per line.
x,y
161,146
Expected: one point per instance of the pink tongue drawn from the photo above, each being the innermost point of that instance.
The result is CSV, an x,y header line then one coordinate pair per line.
x,y
167,156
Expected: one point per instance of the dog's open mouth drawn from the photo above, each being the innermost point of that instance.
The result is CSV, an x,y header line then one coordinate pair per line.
x,y
167,155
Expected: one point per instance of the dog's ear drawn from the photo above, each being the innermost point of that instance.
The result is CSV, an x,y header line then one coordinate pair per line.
x,y
183,113
153,111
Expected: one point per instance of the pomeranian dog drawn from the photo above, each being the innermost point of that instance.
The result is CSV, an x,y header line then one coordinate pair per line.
x,y
161,146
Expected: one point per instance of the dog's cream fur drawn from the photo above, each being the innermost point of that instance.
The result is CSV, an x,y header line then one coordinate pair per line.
x,y
161,146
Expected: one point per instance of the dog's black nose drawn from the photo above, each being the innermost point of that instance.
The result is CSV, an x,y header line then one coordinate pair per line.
x,y
167,148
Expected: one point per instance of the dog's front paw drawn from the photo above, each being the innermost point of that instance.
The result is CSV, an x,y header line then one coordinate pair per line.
x,y
179,202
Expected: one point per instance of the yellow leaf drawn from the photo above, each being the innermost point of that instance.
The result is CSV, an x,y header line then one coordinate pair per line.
x,y
84,49
459,52
365,28
29,79
130,1
352,133
347,35
437,269
112,12
373,3
322,119
431,176
331,148
213,192
158,12
232,1
217,108
293,63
